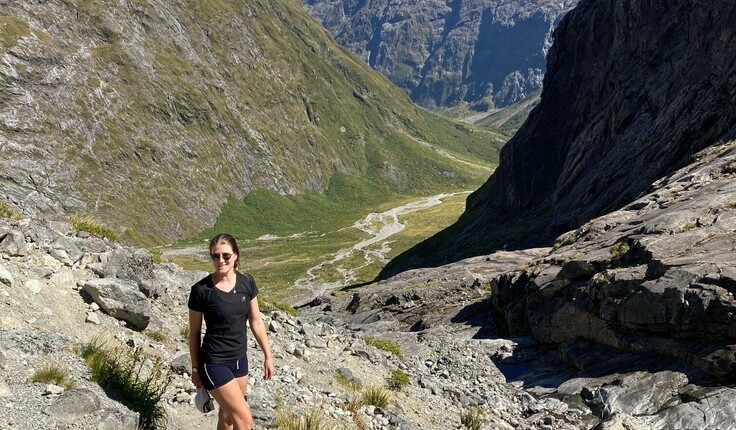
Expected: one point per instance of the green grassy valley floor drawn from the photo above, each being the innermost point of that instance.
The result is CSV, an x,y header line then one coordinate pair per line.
x,y
328,253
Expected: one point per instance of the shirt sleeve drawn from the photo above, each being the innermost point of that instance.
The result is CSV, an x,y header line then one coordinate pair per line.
x,y
251,286
195,298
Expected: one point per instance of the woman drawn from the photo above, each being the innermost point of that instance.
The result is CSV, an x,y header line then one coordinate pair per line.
x,y
225,299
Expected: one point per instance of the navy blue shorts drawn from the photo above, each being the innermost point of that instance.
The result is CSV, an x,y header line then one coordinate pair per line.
x,y
215,375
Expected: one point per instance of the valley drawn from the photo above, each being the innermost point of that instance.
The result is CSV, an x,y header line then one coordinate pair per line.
x,y
302,265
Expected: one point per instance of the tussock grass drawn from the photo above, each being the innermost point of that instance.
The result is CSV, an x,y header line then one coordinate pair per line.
x,y
184,332
376,396
472,419
311,420
158,335
140,387
54,374
347,383
92,226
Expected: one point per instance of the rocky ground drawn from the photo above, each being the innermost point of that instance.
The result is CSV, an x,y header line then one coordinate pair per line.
x,y
61,289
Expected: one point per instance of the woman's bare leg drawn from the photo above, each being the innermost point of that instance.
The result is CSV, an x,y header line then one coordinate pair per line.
x,y
234,413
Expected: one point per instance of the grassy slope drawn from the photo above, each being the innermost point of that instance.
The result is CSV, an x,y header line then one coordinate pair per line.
x,y
185,105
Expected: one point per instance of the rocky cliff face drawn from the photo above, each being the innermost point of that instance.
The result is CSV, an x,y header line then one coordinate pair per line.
x,y
638,304
486,53
151,114
633,89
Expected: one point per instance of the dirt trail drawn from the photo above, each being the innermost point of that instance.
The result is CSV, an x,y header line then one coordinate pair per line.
x,y
380,226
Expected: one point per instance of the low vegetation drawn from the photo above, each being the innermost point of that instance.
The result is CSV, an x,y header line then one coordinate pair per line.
x,y
311,420
140,385
385,344
92,226
184,332
348,383
7,212
397,380
472,419
158,335
376,396
620,249
54,374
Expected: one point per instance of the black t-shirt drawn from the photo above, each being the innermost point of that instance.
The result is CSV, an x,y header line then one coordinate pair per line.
x,y
225,315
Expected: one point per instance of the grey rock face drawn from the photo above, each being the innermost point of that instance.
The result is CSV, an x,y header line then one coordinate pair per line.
x,y
653,277
120,299
632,91
482,52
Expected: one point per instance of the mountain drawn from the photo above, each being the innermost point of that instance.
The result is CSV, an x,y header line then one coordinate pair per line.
x,y
633,90
151,114
483,53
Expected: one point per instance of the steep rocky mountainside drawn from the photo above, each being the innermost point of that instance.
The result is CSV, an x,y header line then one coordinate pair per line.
x,y
633,89
626,323
62,289
150,114
639,304
486,53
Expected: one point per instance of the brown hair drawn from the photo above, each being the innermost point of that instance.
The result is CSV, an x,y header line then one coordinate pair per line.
x,y
230,240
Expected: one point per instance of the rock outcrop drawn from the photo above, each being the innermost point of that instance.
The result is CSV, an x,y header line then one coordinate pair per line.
x,y
633,90
656,277
486,53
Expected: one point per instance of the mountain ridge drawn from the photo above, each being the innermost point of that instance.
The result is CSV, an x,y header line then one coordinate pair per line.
x,y
195,103
483,53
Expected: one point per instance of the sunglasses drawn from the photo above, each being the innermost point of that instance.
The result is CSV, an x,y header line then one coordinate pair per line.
x,y
225,256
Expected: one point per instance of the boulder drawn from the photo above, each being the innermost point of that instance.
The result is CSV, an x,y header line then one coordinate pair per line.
x,y
120,299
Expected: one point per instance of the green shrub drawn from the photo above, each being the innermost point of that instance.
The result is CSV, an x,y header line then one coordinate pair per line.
x,y
92,226
312,420
472,419
376,396
124,372
385,344
398,380
54,374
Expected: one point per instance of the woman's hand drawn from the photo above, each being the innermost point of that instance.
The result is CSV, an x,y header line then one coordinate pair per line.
x,y
268,368
196,380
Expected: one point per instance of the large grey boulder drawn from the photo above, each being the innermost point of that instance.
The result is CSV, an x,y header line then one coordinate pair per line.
x,y
73,404
13,244
120,299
